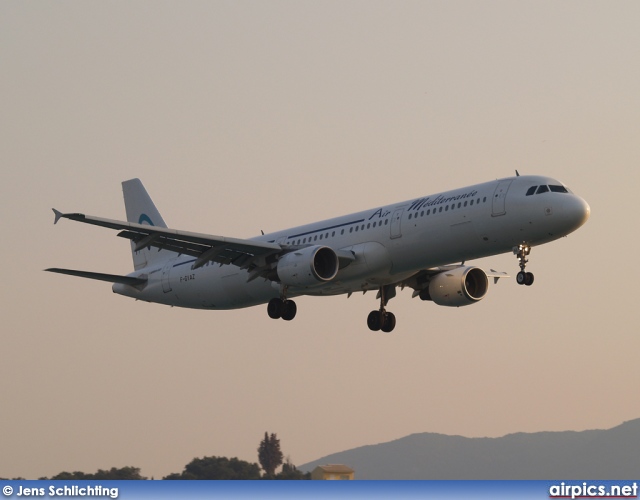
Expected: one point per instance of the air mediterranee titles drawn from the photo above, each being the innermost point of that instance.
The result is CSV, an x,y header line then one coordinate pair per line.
x,y
439,200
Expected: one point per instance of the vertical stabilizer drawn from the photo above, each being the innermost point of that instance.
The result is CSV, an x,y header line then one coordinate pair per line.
x,y
141,210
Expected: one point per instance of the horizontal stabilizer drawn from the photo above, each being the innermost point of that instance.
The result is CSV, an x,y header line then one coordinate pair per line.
x,y
58,214
111,278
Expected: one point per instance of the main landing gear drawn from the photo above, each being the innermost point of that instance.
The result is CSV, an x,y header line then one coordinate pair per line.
x,y
282,308
521,252
382,319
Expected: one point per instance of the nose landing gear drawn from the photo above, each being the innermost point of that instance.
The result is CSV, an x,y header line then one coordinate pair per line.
x,y
521,252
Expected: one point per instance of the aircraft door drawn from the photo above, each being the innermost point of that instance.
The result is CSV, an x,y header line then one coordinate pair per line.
x,y
499,198
396,221
166,285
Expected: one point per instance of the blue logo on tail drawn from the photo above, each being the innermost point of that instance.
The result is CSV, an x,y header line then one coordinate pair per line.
x,y
145,218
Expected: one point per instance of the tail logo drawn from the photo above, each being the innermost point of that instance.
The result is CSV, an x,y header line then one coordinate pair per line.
x,y
145,218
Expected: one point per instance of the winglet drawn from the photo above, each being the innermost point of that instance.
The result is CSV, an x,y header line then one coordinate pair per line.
x,y
57,214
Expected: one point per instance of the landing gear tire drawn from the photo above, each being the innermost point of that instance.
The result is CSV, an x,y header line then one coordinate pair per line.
x,y
289,310
275,308
374,321
525,278
388,322
285,309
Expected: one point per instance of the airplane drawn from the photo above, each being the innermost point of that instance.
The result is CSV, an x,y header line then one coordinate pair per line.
x,y
422,244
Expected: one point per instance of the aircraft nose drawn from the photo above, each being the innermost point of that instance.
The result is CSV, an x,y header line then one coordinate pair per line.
x,y
576,211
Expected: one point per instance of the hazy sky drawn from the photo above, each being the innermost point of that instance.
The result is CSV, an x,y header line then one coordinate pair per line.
x,y
242,116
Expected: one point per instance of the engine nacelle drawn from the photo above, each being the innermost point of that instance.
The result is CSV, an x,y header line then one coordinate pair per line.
x,y
459,287
308,266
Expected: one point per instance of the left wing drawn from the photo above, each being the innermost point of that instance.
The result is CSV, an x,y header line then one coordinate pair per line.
x,y
246,254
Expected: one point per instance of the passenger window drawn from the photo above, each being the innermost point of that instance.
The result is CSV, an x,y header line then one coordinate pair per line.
x,y
471,202
558,189
531,190
422,214
409,216
542,189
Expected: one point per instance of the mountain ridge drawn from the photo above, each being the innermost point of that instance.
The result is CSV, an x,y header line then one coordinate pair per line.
x,y
591,454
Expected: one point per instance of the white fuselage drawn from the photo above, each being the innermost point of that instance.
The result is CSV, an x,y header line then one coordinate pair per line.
x,y
390,243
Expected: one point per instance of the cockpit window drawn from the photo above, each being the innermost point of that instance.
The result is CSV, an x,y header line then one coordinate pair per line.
x,y
558,189
531,190
542,189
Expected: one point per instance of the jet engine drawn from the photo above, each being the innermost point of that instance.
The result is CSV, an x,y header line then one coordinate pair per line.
x,y
308,266
459,287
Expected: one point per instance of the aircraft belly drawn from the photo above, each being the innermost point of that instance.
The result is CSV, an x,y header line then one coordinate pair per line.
x,y
238,293
225,287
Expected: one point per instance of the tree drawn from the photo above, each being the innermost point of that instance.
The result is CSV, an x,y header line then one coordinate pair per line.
x,y
119,474
113,473
269,454
291,472
217,468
